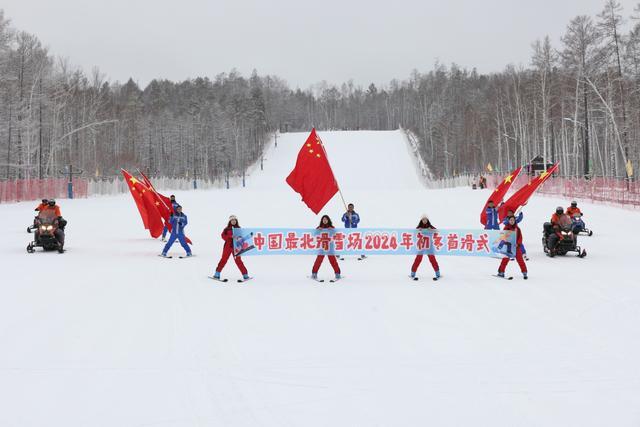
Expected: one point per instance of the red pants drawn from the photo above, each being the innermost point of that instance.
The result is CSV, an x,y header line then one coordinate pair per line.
x,y
226,253
332,260
418,260
519,258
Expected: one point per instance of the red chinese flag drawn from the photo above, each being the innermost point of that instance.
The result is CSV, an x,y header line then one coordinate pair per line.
x,y
151,204
521,197
312,177
498,194
163,203
161,197
137,196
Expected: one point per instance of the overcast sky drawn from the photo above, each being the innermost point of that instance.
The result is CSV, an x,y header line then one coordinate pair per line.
x,y
303,42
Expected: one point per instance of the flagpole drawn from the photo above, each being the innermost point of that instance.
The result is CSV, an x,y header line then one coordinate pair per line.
x,y
334,175
152,188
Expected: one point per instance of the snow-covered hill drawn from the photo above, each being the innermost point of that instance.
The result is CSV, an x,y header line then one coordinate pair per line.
x,y
109,334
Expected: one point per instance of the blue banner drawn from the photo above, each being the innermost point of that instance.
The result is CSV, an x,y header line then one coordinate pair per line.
x,y
373,241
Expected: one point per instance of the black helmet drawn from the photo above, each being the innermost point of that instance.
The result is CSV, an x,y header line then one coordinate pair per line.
x,y
574,204
559,210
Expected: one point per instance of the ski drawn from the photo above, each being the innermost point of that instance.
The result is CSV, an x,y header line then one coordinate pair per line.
x,y
165,256
316,279
184,256
244,280
435,279
218,279
361,257
503,277
414,278
335,280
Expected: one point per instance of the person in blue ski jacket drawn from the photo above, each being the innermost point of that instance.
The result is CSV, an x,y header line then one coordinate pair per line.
x,y
518,218
178,223
174,205
351,219
492,217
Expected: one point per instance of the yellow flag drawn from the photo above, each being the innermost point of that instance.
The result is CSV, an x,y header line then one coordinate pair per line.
x,y
629,169
489,167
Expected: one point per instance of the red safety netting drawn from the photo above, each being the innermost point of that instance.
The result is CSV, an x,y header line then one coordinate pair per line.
x,y
34,189
599,189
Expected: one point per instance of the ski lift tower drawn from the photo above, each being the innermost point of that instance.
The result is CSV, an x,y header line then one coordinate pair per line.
x,y
69,171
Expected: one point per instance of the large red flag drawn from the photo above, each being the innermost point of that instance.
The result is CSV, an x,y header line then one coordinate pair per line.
x,y
163,204
146,203
137,196
521,197
498,194
312,177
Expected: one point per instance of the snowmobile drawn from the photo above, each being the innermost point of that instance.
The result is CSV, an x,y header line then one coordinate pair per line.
x,y
46,226
582,229
568,243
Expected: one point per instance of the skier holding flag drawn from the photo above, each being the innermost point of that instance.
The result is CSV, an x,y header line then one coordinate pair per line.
x,y
174,205
489,214
351,219
178,223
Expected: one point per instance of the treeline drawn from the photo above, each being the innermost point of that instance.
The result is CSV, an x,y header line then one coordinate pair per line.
x,y
577,102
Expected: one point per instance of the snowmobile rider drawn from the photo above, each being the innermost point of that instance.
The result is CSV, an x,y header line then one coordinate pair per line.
x,y
38,209
51,209
555,223
576,216
42,205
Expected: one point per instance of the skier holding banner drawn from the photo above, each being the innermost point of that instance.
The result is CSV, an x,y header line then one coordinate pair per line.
x,y
425,224
513,225
519,217
325,223
227,251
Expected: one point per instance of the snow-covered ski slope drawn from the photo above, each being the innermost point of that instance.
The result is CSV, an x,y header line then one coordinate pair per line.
x,y
109,334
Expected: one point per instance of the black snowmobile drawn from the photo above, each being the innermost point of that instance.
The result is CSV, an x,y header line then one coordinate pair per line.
x,y
568,242
48,234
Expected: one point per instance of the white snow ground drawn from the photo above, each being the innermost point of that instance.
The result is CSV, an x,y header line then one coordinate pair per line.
x,y
109,334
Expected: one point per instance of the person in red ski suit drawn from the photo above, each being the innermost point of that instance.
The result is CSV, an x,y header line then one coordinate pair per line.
x,y
227,251
325,222
512,225
425,224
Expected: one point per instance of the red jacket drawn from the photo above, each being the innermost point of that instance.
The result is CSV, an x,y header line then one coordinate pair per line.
x,y
571,211
55,209
518,232
227,235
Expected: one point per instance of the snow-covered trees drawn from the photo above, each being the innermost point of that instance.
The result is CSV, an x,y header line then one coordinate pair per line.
x,y
577,102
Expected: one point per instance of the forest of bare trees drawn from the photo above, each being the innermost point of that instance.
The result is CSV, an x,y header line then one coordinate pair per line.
x,y
577,102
